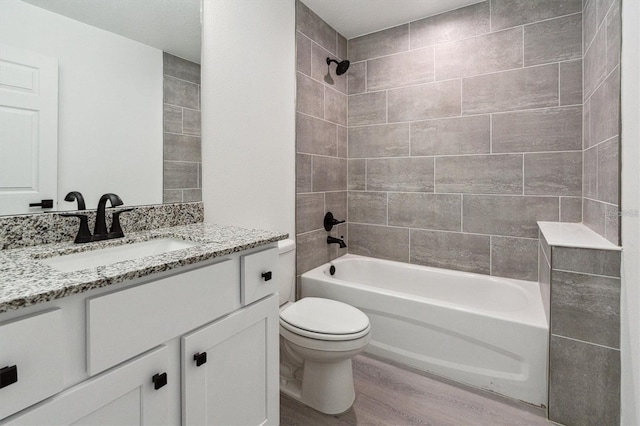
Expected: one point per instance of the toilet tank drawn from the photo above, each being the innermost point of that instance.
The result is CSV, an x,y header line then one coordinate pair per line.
x,y
287,270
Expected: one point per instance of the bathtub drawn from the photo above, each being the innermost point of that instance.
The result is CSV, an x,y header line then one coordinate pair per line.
x,y
487,332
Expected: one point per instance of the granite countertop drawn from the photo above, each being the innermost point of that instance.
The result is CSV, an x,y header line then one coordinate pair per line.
x,y
24,281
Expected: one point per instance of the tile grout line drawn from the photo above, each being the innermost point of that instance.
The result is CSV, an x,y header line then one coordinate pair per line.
x,y
585,342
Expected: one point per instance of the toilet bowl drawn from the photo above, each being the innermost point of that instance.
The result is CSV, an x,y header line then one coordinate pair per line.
x,y
318,338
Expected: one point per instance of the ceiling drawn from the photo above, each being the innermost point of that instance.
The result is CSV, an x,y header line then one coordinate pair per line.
x,y
353,18
172,26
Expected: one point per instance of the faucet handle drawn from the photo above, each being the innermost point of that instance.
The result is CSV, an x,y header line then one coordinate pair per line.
x,y
330,221
84,235
116,228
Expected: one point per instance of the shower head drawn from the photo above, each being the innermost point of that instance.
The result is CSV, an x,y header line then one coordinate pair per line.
x,y
342,66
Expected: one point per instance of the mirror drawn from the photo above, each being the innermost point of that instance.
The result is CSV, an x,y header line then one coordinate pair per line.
x,y
110,91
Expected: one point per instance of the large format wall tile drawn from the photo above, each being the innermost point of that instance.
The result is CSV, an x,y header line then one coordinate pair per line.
x,y
357,78
402,69
588,261
584,383
553,173
534,87
455,25
387,140
451,136
309,96
303,173
433,100
554,40
315,136
429,211
329,174
479,55
357,175
510,216
509,13
552,129
336,203
181,93
571,209
593,215
309,212
451,250
590,173
514,258
312,250
614,35
310,24
414,174
585,307
595,63
182,148
335,106
180,68
303,53
367,108
367,207
381,43
608,171
605,110
589,23
180,175
571,82
479,174
379,241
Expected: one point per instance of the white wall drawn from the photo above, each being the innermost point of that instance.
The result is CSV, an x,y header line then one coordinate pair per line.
x,y
110,104
248,113
630,313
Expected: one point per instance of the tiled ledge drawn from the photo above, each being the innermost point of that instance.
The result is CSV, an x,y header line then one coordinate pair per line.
x,y
575,235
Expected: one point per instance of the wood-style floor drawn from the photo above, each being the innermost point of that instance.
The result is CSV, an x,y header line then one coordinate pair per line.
x,y
390,395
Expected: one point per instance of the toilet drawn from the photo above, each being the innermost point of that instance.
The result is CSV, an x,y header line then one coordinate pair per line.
x,y
318,338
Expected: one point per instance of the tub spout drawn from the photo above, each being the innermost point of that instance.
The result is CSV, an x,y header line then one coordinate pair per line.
x,y
332,240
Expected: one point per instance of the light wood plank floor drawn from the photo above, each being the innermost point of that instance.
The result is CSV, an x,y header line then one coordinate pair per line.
x,y
390,395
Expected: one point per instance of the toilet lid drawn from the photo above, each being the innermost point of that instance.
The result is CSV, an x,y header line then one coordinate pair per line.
x,y
325,316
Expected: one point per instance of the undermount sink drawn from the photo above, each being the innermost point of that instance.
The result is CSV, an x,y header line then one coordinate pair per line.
x,y
106,256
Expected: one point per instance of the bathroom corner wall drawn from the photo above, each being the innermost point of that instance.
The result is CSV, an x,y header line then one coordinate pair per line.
x,y
601,142
584,347
321,140
464,130
182,165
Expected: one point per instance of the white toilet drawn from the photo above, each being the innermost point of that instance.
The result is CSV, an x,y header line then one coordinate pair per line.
x,y
318,338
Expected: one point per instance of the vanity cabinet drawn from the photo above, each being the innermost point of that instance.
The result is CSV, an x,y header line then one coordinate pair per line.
x,y
134,354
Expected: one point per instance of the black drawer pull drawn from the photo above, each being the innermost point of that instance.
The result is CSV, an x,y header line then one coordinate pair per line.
x,y
45,204
159,380
266,275
8,376
200,358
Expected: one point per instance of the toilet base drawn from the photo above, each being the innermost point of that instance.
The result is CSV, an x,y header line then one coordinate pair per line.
x,y
326,387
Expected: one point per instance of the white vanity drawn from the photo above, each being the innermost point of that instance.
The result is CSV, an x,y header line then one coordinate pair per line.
x,y
184,337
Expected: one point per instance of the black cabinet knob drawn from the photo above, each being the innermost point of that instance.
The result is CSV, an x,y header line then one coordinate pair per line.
x,y
266,275
8,376
159,380
200,358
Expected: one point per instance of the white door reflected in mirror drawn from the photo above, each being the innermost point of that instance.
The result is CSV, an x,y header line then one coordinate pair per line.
x,y
28,130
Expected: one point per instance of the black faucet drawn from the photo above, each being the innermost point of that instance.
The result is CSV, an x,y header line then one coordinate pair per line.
x,y
100,230
332,240
84,235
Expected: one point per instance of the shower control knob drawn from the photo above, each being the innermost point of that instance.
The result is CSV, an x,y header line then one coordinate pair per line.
x,y
330,221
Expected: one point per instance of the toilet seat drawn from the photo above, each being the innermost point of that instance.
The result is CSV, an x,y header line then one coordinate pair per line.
x,y
324,319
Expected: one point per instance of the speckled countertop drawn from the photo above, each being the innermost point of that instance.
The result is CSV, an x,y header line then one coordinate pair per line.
x,y
25,281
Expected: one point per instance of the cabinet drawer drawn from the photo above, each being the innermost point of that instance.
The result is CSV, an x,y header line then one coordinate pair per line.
x,y
125,323
259,275
34,345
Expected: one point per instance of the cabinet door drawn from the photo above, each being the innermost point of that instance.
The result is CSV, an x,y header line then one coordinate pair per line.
x,y
125,395
238,382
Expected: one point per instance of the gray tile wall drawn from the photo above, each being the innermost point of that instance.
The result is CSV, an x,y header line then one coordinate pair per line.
x,y
584,350
182,166
321,139
601,145
465,129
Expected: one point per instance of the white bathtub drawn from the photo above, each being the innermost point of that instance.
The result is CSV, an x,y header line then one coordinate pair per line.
x,y
484,331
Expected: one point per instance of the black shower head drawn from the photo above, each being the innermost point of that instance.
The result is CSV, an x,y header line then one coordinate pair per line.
x,y
342,66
